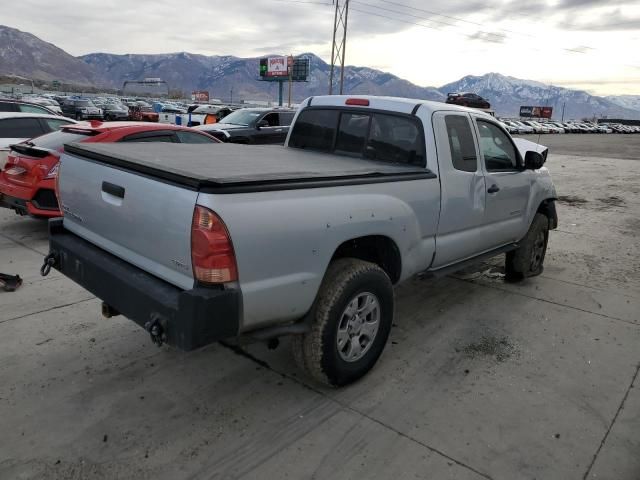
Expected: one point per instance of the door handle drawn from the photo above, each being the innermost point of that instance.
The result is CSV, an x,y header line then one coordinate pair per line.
x,y
493,189
111,189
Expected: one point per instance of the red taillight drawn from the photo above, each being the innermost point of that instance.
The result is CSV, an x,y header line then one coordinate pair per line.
x,y
212,253
362,102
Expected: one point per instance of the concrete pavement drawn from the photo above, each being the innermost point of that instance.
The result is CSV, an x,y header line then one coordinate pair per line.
x,y
480,379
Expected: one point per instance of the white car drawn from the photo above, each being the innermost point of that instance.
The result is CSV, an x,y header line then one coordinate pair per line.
x,y
538,127
523,128
47,102
16,127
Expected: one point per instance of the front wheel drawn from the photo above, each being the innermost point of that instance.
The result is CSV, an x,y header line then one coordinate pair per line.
x,y
528,259
351,320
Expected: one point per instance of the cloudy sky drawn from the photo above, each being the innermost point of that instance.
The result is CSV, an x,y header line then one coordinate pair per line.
x,y
588,44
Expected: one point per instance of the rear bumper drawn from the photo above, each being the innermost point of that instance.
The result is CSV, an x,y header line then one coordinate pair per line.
x,y
189,318
38,200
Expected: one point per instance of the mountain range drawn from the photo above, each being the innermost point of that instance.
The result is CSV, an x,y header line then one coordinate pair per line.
x,y
24,54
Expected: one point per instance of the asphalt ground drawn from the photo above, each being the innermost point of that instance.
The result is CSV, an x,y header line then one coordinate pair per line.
x,y
480,379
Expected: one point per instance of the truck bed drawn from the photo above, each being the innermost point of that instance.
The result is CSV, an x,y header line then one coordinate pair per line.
x,y
231,168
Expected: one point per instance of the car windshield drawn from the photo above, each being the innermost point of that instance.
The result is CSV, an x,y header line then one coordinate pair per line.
x,y
84,103
56,140
241,117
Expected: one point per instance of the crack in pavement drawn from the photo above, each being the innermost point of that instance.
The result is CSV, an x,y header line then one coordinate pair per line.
x,y
46,310
22,244
609,317
615,417
243,353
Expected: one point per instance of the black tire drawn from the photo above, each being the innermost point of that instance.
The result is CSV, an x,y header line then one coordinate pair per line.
x,y
528,259
317,352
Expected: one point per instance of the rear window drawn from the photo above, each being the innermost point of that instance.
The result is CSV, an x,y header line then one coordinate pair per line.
x,y
56,140
315,130
376,136
20,128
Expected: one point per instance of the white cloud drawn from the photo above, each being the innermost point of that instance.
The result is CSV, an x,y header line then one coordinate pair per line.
x,y
562,40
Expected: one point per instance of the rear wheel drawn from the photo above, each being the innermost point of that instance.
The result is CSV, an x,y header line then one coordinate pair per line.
x,y
351,320
528,259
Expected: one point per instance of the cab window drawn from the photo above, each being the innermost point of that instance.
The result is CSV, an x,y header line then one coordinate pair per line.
x,y
461,143
393,138
497,149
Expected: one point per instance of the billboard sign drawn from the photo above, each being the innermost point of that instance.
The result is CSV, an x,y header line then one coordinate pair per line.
x,y
200,96
278,68
536,112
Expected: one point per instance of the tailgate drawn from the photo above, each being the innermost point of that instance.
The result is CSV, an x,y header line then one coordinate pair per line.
x,y
140,219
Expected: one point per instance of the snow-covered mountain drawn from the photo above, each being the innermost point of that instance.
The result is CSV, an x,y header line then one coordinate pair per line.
x,y
219,74
507,94
627,101
225,76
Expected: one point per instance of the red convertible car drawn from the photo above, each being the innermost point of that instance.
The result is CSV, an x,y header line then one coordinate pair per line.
x,y
27,183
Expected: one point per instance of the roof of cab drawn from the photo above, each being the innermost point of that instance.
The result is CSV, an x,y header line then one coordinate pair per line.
x,y
397,104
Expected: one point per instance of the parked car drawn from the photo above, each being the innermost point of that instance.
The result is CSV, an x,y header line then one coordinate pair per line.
x,y
9,105
81,109
252,126
553,128
537,127
28,183
570,127
16,127
50,103
142,112
524,128
466,99
509,128
306,239
113,111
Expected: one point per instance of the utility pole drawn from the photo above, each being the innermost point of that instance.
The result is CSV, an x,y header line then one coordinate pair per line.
x,y
339,45
563,104
231,99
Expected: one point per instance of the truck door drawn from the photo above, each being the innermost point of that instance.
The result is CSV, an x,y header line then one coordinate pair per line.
x,y
462,211
508,185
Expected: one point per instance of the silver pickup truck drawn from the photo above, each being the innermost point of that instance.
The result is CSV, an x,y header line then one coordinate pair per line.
x,y
199,243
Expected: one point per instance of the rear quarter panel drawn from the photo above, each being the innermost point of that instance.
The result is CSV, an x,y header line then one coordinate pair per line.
x,y
284,240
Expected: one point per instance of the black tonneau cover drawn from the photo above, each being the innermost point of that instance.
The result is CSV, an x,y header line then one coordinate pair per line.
x,y
231,168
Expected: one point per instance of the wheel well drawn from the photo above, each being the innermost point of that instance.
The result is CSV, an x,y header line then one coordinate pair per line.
x,y
548,208
377,249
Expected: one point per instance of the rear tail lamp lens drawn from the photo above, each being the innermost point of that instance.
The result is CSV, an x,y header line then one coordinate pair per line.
x,y
212,254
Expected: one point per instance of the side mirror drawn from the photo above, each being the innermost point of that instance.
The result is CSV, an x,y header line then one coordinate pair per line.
x,y
262,123
533,160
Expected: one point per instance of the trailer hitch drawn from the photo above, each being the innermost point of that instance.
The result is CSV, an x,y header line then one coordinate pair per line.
x,y
156,330
49,261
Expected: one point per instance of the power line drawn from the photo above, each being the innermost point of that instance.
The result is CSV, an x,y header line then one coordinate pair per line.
x,y
486,36
458,19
